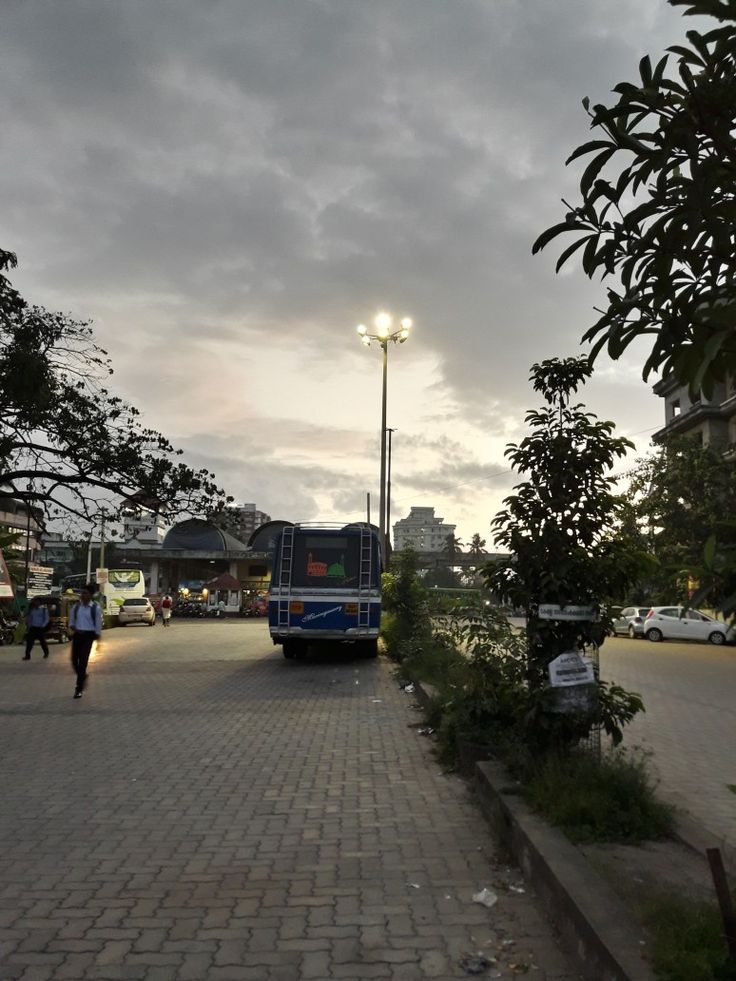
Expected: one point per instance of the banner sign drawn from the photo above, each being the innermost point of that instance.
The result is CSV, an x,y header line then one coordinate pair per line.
x,y
551,611
6,585
40,578
571,668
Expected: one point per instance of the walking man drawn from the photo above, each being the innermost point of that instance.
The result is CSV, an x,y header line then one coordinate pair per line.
x,y
166,607
85,622
37,622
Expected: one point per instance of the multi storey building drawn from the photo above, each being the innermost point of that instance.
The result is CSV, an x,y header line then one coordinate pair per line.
x,y
240,520
422,531
711,420
17,518
143,527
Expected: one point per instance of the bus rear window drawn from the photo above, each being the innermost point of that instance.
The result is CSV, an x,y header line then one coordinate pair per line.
x,y
326,560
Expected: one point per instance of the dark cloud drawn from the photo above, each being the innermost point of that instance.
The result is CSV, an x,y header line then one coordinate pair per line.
x,y
216,178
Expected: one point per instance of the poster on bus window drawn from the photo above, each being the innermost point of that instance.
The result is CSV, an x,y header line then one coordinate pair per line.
x,y
124,578
6,584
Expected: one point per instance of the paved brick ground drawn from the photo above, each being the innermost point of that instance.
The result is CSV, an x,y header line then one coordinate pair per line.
x,y
689,692
211,811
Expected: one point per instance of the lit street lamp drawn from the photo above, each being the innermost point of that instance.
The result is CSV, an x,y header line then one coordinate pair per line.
x,y
384,332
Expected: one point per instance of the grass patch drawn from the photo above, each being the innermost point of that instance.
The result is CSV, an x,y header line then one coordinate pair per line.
x,y
732,787
607,799
687,939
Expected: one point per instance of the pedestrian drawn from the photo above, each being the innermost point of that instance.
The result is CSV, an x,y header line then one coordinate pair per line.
x,y
85,623
37,623
166,607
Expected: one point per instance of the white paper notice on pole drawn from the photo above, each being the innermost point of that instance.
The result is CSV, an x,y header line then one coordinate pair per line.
x,y
101,576
571,668
551,611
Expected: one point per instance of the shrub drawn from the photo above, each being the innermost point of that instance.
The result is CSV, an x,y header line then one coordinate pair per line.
x,y
485,695
606,799
405,623
688,943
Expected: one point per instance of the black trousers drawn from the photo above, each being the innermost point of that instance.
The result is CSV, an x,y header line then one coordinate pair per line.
x,y
34,634
81,647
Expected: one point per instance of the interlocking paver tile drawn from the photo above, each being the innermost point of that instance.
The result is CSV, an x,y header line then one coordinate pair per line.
x,y
211,811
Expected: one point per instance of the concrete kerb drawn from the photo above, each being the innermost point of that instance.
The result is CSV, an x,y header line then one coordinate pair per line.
x,y
699,839
595,926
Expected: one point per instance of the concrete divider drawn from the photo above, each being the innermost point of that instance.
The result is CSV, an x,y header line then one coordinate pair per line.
x,y
594,924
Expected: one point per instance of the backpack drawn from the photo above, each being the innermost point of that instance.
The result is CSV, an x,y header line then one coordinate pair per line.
x,y
166,602
92,605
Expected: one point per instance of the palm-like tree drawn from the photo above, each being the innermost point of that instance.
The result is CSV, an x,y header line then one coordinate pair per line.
x,y
452,547
477,545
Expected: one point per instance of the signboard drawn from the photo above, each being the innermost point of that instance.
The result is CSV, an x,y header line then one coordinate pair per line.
x,y
551,611
40,578
571,668
100,576
6,585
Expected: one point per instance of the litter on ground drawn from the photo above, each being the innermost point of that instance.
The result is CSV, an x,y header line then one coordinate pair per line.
x,y
486,897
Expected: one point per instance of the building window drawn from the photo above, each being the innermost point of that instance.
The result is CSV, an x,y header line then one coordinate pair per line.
x,y
676,408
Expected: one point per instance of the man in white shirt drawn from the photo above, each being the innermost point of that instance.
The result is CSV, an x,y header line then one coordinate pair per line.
x,y
85,623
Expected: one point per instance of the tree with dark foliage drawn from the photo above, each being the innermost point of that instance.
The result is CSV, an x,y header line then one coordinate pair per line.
x,y
658,207
67,445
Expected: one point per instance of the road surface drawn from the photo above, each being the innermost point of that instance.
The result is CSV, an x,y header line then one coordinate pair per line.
x,y
210,811
689,692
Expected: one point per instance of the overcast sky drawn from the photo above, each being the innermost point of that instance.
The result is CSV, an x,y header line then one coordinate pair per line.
x,y
228,188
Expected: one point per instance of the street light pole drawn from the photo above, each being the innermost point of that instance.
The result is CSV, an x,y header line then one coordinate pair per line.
x,y
383,334
388,487
382,498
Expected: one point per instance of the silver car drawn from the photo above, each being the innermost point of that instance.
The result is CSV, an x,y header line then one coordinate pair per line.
x,y
136,610
631,621
676,623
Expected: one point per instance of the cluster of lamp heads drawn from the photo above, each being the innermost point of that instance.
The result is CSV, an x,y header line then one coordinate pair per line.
x,y
384,329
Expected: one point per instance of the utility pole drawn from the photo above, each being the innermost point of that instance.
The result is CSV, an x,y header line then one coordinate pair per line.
x,y
28,541
89,553
102,541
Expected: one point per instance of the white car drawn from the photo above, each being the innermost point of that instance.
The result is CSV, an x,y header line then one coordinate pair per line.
x,y
676,623
631,621
136,610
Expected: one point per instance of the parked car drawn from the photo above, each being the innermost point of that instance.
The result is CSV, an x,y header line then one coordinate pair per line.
x,y
137,610
676,623
630,620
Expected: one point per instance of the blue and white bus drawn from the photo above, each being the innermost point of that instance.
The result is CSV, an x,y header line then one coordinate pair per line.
x,y
325,587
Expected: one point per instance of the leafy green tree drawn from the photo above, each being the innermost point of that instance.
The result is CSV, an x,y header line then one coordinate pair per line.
x,y
658,201
477,545
557,527
67,445
405,627
442,576
683,497
453,546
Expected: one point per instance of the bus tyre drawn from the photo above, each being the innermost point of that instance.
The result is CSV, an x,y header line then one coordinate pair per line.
x,y
290,649
368,648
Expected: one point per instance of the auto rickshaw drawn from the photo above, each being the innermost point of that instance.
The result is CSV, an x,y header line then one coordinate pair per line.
x,y
59,608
